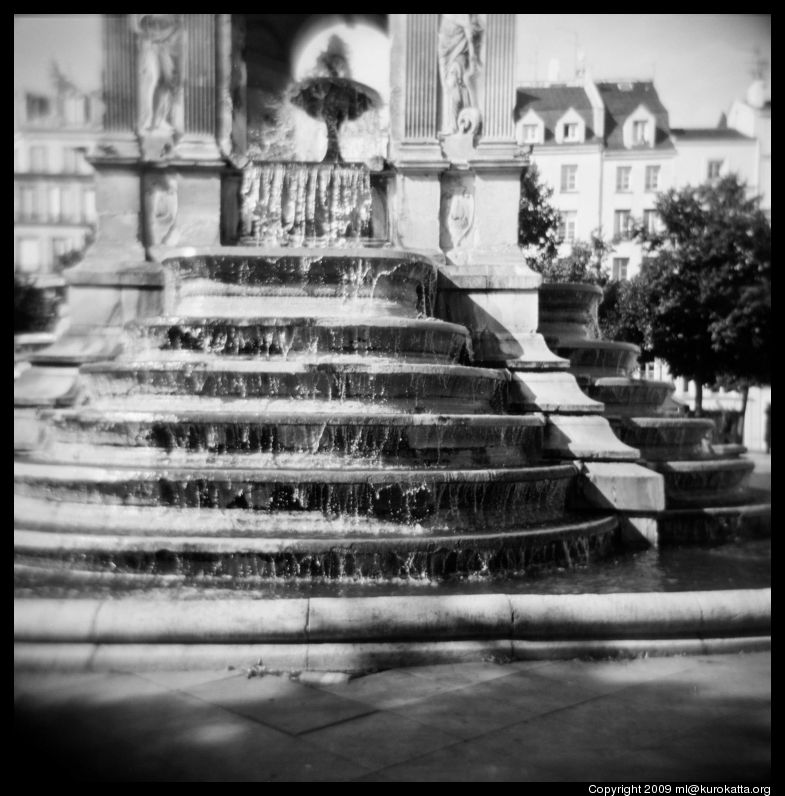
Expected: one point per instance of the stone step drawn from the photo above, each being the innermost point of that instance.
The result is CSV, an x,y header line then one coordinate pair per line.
x,y
712,525
543,391
701,484
128,562
586,437
595,359
351,429
495,498
295,336
666,438
625,397
405,385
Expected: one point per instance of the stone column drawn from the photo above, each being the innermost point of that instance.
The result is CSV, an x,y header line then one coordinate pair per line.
x,y
161,158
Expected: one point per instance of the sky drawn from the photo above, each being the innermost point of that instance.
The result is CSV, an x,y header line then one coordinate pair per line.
x,y
700,63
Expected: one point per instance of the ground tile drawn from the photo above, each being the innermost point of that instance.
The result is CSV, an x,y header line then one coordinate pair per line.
x,y
391,688
380,739
174,737
532,694
465,712
469,761
463,673
280,702
183,680
605,676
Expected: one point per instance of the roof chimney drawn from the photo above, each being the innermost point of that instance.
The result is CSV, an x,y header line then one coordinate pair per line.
x,y
553,70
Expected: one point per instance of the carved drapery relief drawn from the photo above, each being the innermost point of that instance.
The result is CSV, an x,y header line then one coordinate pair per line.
x,y
160,205
160,74
457,216
460,50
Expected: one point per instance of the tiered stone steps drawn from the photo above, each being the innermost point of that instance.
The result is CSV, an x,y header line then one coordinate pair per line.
x,y
283,442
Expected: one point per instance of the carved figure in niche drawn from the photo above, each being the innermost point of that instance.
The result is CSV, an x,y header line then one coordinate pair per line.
x,y
160,209
160,71
460,59
460,217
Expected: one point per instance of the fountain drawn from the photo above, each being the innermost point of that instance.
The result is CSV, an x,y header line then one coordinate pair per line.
x,y
305,407
708,498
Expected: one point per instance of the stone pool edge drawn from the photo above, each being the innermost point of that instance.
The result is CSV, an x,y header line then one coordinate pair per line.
x,y
366,633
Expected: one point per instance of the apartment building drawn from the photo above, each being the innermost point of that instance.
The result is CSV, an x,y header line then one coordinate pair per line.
x,y
607,150
54,191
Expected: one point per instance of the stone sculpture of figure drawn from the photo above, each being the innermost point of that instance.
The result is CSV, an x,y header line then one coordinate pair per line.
x,y
460,59
460,217
160,70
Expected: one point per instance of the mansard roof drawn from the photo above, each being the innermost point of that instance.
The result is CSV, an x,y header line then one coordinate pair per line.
x,y
623,98
550,102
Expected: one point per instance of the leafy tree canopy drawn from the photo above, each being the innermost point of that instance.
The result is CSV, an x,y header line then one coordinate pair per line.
x,y
702,301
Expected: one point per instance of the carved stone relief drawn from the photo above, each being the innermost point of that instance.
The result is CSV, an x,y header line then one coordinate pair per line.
x,y
160,208
456,236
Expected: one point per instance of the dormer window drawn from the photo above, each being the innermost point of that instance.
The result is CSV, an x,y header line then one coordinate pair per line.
x,y
571,132
639,127
639,133
530,133
530,129
571,128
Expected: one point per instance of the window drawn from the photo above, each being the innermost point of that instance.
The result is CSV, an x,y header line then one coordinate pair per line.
x,y
530,133
75,110
29,254
652,178
37,107
639,132
27,201
622,224
569,178
620,267
70,162
88,205
37,158
60,246
566,231
570,131
623,178
54,204
650,220
714,169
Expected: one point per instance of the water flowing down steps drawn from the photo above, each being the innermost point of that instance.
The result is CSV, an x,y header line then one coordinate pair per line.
x,y
296,416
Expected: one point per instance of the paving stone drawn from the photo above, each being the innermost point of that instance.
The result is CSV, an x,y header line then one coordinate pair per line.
x,y
280,702
381,739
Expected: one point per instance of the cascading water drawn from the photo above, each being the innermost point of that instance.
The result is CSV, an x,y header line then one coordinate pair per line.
x,y
305,204
320,427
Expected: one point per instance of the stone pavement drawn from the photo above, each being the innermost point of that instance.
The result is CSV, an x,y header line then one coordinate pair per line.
x,y
689,719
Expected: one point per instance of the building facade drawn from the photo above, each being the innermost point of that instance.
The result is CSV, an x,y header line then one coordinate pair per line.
x,y
54,190
607,150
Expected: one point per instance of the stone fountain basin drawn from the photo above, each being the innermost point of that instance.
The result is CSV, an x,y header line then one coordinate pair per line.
x,y
348,430
596,359
666,438
568,311
403,385
490,498
722,482
629,397
386,274
288,336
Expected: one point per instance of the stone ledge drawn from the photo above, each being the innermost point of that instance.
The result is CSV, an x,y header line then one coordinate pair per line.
x,y
623,486
354,657
732,613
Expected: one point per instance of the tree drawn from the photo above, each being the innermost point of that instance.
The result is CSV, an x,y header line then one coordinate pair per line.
x,y
625,314
538,219
584,263
707,285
